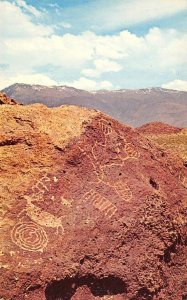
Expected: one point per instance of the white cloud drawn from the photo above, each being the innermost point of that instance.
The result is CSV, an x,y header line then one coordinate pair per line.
x,y
15,24
88,84
28,8
64,25
117,14
102,66
26,78
55,5
176,84
27,47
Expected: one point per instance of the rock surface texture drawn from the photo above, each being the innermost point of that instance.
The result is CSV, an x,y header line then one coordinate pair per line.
x,y
5,100
90,209
167,137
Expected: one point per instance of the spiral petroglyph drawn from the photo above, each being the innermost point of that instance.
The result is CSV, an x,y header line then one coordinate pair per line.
x,y
29,236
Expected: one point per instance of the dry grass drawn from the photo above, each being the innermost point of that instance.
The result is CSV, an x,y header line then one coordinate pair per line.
x,y
176,142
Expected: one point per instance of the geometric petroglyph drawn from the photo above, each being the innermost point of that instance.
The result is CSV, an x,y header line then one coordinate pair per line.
x,y
123,190
29,236
101,203
183,180
3,211
105,127
40,187
131,151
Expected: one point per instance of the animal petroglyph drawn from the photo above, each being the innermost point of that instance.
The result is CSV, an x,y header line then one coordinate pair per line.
x,y
101,203
123,190
29,236
42,217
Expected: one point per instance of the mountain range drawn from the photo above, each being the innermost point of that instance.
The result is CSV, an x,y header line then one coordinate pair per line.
x,y
134,107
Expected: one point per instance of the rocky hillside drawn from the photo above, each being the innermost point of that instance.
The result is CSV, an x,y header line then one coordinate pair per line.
x,y
5,100
90,209
134,107
168,137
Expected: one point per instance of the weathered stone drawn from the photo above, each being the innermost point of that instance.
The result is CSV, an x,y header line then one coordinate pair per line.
x,y
90,209
5,100
167,137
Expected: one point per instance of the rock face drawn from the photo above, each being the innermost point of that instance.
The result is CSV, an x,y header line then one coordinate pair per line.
x,y
167,137
90,209
5,100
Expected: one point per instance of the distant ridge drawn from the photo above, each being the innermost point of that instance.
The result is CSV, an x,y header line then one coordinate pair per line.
x,y
158,128
134,107
167,137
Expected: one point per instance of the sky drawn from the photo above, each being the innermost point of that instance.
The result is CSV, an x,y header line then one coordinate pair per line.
x,y
94,44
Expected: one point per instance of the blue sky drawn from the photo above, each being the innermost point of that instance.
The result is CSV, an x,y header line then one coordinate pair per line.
x,y
94,44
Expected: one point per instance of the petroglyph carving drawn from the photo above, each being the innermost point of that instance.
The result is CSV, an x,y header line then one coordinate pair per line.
x,y
42,217
29,236
105,127
65,202
183,180
40,187
55,179
94,152
3,211
101,203
131,151
123,190
92,162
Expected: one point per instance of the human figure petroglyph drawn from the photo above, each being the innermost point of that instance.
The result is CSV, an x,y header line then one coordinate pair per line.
x,y
101,203
42,217
29,236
